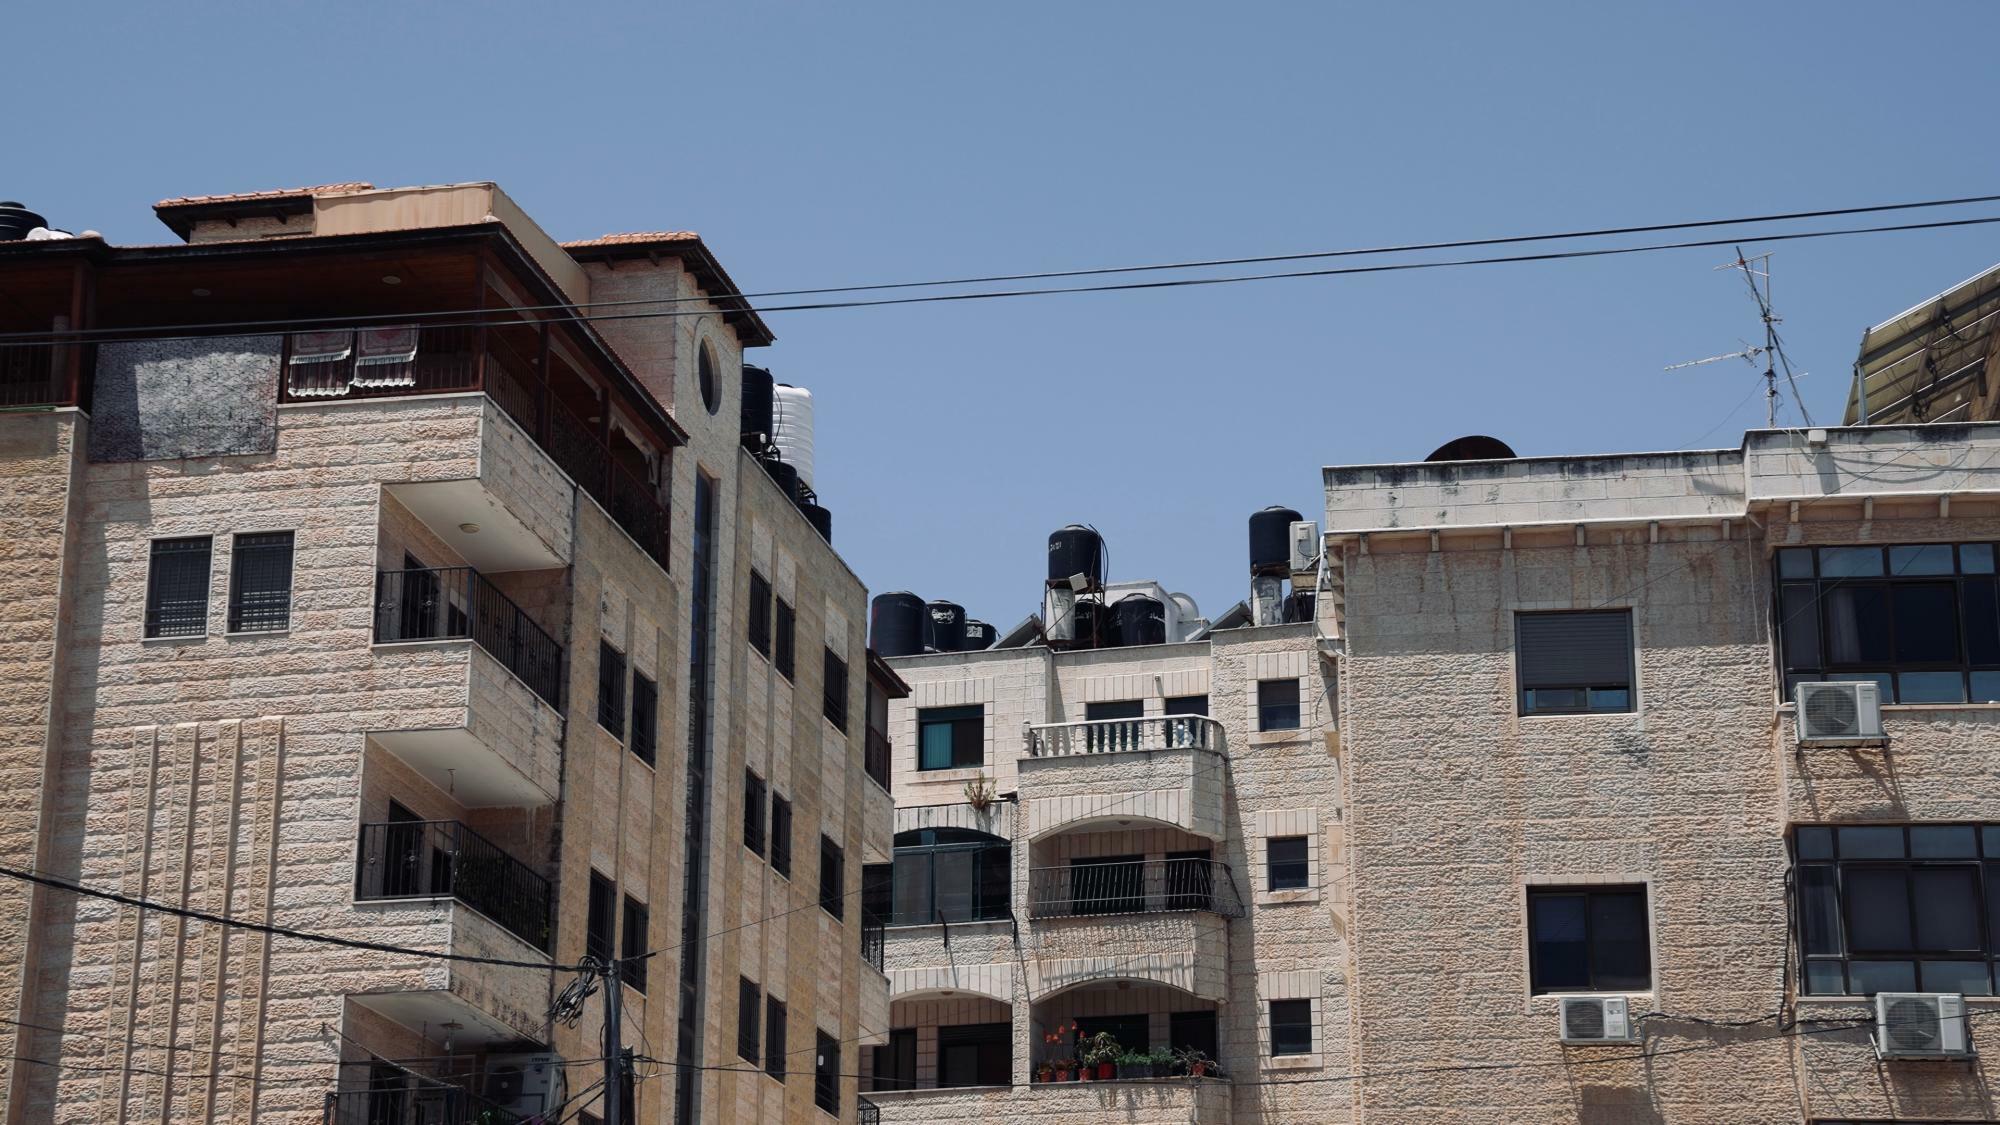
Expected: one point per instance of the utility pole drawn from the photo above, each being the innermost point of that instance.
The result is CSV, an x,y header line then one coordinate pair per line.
x,y
616,1111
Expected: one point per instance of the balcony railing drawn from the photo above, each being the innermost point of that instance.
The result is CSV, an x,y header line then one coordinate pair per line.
x,y
874,936
454,602
446,859
875,757
1154,886
34,374
1112,736
867,1112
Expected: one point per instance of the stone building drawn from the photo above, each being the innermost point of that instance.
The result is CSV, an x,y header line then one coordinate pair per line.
x,y
356,585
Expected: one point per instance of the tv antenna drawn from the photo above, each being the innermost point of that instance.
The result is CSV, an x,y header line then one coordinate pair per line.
x,y
1756,273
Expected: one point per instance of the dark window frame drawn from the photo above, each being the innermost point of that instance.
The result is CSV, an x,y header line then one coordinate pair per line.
x,y
759,618
749,1009
826,1072
1828,868
833,862
1804,616
1597,695
634,935
774,1037
755,797
1282,714
784,637
1545,893
781,835
833,689
611,689
989,894
1290,873
645,737
600,919
1297,1022
261,602
188,616
895,1061
966,727
990,1047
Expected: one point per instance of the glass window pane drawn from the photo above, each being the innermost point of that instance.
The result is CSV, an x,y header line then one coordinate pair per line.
x,y
1931,558
1850,562
1610,699
1618,942
1878,909
1560,958
1820,908
1975,558
1815,842
1947,909
1795,562
1968,977
1986,687
1870,977
1798,605
912,875
1982,621
1857,624
954,886
1992,897
934,746
1882,680
1824,978
1930,687
1871,842
1926,616
1943,841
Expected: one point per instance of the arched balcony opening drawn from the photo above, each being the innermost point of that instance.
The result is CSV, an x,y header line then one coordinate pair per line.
x,y
942,1040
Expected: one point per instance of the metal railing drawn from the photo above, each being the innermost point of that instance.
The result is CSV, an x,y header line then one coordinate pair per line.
x,y
874,935
34,374
875,757
1112,736
453,602
446,859
1152,886
867,1112
418,1103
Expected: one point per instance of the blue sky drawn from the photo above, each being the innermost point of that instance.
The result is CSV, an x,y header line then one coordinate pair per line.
x,y
821,144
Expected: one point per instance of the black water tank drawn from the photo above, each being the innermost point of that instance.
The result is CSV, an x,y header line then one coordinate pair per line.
x,y
946,622
1271,540
896,624
1473,447
1139,621
757,401
1076,549
979,636
821,519
1299,606
1090,618
786,475
16,221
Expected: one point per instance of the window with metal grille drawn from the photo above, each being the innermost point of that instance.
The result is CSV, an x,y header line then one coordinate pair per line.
x,y
1277,705
951,737
781,836
832,877
760,613
1898,907
753,812
1589,939
826,1072
177,587
774,1037
748,999
610,689
633,967
602,920
1574,662
1921,620
1291,1027
260,582
1285,863
835,690
645,718
781,647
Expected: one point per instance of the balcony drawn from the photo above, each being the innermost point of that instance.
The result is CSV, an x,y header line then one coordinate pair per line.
x,y
1143,887
35,374
1163,769
446,859
867,1112
418,1103
457,602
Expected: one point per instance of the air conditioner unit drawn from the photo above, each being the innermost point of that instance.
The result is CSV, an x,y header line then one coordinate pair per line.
x,y
1921,1025
1598,1019
1839,713
1305,545
524,1085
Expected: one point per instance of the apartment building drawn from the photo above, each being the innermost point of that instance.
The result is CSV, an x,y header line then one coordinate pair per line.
x,y
1602,867
1121,820
359,585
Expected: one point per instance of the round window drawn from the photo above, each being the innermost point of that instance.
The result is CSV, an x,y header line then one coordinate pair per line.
x,y
711,393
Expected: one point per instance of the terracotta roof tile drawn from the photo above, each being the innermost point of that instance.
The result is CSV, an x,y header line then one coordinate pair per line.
x,y
637,236
253,196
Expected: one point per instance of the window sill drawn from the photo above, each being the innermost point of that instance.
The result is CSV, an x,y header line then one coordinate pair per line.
x,y
1284,734
194,640
284,632
1287,897
1293,1062
953,773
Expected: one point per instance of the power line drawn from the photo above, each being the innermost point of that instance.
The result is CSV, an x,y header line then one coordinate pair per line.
x,y
177,331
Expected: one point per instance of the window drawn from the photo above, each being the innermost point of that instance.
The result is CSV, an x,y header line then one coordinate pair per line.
x,y
896,1061
1291,1027
1573,663
979,1054
1186,705
177,588
1131,1032
1588,939
748,999
1186,732
1108,885
1285,864
1922,620
260,582
602,919
1898,908
774,1037
1193,1031
1119,731
781,836
753,812
951,737
950,875
645,717
633,967
835,689
760,613
781,649
832,873
610,689
706,381
1277,705
878,891
826,1072
1190,879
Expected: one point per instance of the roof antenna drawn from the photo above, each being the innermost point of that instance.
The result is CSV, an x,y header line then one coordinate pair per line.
x,y
1757,274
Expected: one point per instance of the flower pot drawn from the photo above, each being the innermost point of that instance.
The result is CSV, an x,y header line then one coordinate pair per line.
x,y
1106,1071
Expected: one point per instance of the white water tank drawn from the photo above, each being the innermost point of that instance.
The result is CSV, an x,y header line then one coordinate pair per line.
x,y
792,428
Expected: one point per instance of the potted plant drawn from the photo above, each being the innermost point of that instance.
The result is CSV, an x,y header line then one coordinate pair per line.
x,y
1045,1071
1135,1064
1100,1052
1163,1062
1065,1069
1193,1062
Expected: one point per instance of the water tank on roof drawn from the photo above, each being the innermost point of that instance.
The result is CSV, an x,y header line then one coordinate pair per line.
x,y
792,427
16,221
1138,620
1076,549
787,476
820,518
979,636
757,400
896,624
1271,540
1088,620
1472,447
1299,606
946,622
